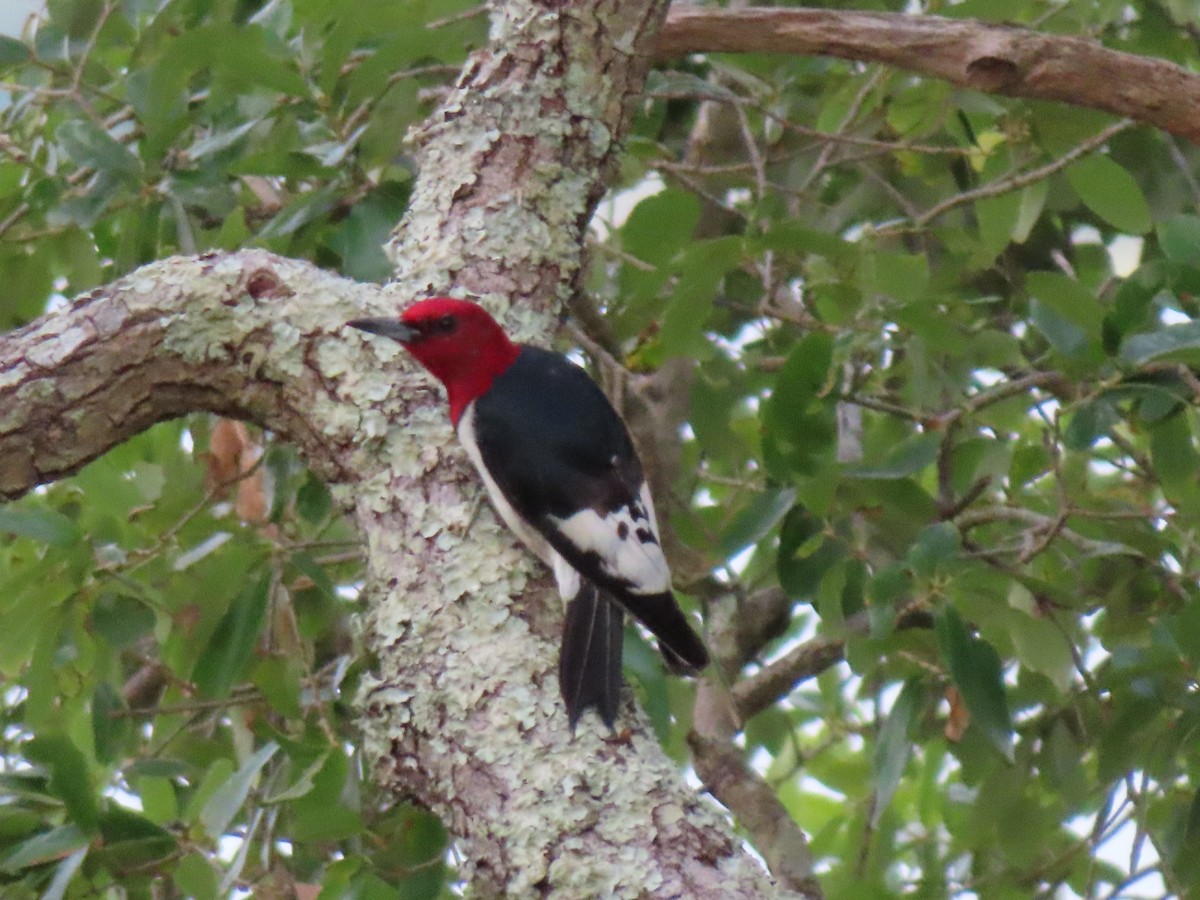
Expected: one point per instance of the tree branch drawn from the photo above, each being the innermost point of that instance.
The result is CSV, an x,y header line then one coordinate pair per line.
x,y
995,59
777,679
243,334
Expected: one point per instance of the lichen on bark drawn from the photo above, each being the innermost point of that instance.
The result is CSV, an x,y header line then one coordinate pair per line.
x,y
464,713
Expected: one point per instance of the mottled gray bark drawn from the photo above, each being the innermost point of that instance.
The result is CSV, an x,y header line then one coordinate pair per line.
x,y
248,334
466,713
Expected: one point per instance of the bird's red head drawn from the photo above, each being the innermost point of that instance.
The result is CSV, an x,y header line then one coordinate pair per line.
x,y
456,340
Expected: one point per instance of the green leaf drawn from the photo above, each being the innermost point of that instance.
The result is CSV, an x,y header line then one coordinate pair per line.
x,y
121,619
1064,336
1042,648
17,821
1069,299
232,643
221,140
1092,420
12,51
701,268
1110,192
894,746
306,208
45,525
755,521
1183,844
57,843
130,840
935,546
322,813
1033,201
904,276
416,839
998,218
1173,452
70,777
302,785
361,236
919,108
313,500
660,225
109,731
306,564
805,553
159,802
1179,238
196,877
91,146
64,873
225,802
975,668
798,424
149,479
791,236
280,680
1180,341
910,456
888,584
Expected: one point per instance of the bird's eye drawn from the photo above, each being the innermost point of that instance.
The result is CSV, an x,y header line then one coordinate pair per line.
x,y
445,324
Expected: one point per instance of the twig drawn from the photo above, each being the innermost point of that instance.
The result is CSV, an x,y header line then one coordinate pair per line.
x,y
1016,182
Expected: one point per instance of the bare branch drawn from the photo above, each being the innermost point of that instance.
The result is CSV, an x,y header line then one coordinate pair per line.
x,y
995,59
724,772
1022,179
755,693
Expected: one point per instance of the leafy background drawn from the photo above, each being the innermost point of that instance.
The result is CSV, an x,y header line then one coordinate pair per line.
x,y
944,402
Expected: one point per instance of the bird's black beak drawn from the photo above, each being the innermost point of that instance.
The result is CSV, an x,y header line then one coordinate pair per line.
x,y
392,328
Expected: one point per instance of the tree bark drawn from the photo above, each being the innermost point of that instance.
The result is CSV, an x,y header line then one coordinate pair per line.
x,y
995,59
245,334
466,712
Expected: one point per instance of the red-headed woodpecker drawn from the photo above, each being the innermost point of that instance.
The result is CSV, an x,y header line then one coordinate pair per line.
x,y
561,470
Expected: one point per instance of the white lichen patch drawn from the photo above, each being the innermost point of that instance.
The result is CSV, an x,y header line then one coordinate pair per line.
x,y
528,325
340,419
15,375
387,350
336,358
285,349
145,285
373,424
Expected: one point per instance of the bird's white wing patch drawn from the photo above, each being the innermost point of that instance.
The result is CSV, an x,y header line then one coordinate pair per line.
x,y
625,542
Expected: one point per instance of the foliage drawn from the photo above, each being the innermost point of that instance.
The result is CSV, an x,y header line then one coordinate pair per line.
x,y
944,401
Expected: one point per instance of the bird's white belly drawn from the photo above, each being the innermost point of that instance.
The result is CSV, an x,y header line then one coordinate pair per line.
x,y
566,577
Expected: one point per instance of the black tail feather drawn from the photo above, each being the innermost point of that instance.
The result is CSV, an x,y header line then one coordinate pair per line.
x,y
682,649
589,667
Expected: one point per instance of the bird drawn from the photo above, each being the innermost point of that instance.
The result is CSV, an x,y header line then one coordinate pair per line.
x,y
561,470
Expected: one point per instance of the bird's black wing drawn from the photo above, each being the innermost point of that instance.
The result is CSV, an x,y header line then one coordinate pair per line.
x,y
580,484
